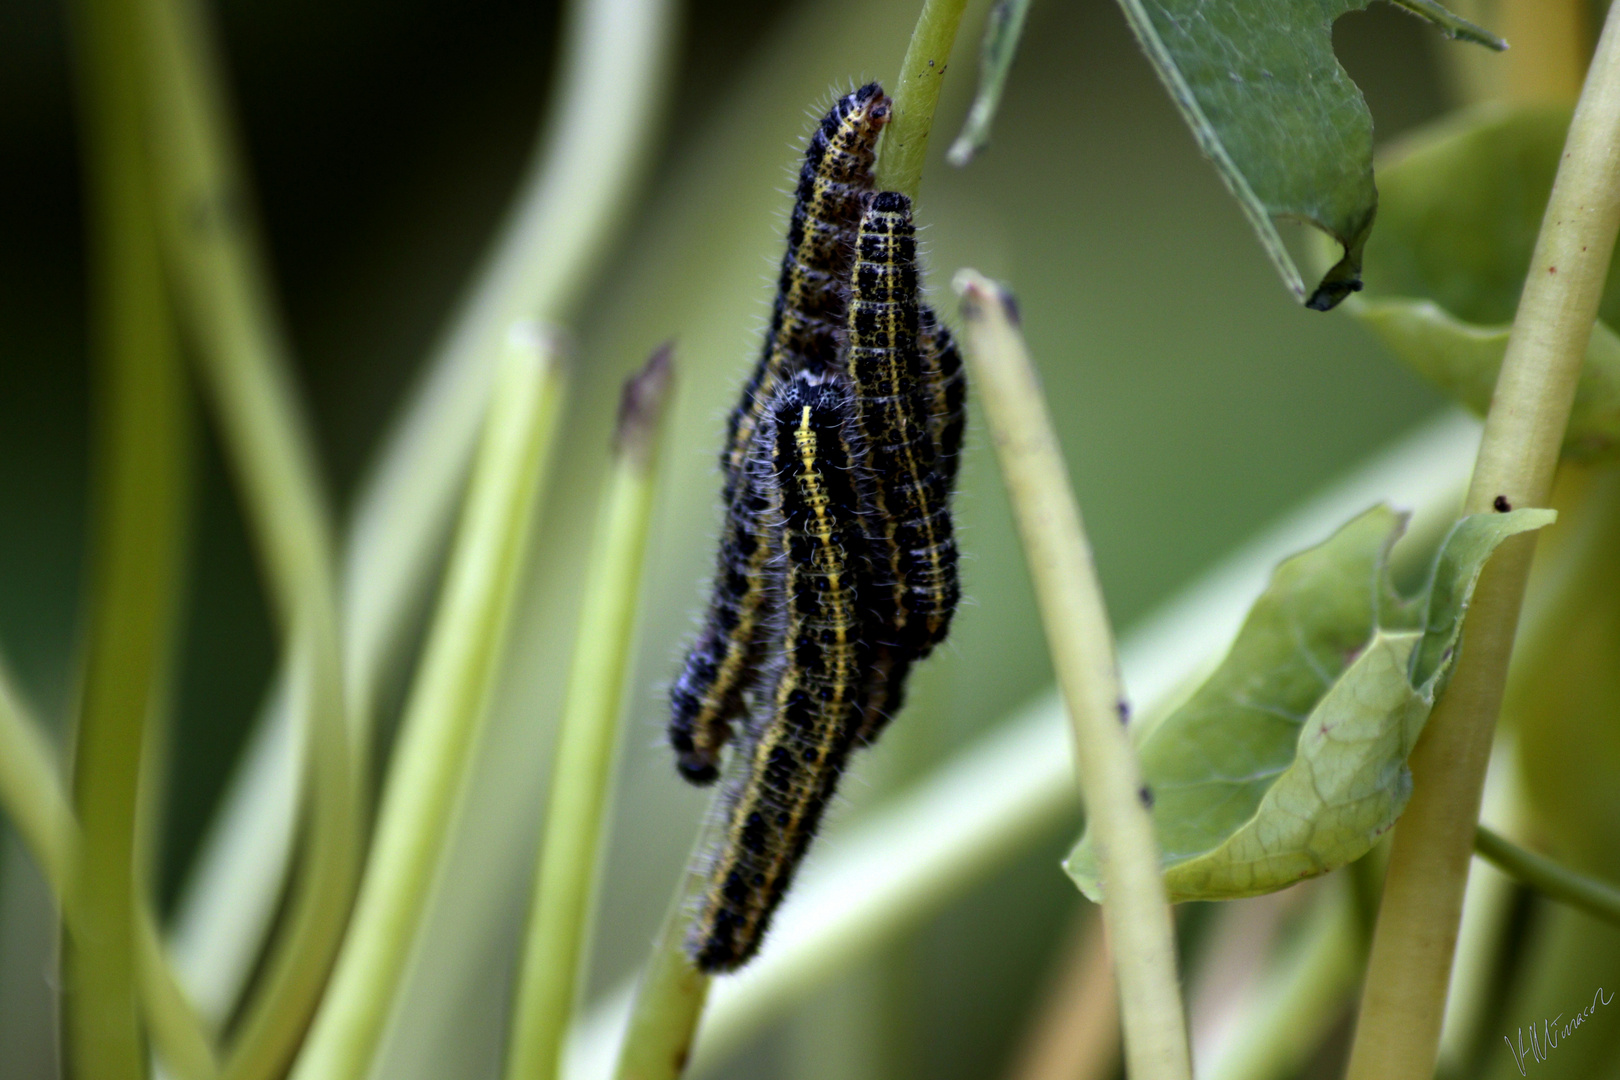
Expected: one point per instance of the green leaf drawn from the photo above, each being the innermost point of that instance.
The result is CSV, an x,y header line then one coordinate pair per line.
x,y
1456,572
1290,760
1258,83
1462,202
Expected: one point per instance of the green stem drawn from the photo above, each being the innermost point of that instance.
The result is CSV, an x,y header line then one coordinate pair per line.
x,y
916,94
559,914
671,993
179,1036
1548,877
615,61
32,793
446,709
1404,995
1082,645
139,526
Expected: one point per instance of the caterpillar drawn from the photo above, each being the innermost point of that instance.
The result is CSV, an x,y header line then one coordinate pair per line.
x,y
903,405
811,700
805,333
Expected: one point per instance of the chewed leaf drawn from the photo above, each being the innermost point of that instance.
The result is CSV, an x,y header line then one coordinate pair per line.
x,y
1461,204
1469,544
1290,760
1259,85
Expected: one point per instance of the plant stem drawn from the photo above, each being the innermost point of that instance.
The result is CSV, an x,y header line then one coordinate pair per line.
x,y
214,257
671,993
905,142
446,709
1075,617
615,62
559,914
1405,990
1549,877
32,793
139,511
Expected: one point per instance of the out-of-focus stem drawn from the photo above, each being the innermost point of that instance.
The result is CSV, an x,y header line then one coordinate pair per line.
x,y
559,915
916,94
1549,877
1076,1036
1082,646
139,510
1404,996
446,709
1550,41
615,64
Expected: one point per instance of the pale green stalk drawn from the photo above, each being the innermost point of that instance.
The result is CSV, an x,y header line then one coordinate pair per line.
x,y
1403,999
670,994
446,708
1078,635
33,796
32,792
559,915
180,1037
916,94
214,257
1549,877
138,527
615,61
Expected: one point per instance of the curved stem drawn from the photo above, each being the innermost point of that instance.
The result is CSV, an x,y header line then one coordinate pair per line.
x,y
616,59
1404,995
32,793
139,511
1549,877
905,142
559,913
1081,641
445,711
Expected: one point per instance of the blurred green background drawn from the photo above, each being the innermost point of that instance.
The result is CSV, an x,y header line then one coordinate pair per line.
x,y
1195,399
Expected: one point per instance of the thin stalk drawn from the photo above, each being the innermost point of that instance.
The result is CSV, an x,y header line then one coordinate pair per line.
x,y
139,511
559,913
180,1037
671,993
916,94
1549,877
32,792
615,64
446,708
215,259
1404,996
1078,635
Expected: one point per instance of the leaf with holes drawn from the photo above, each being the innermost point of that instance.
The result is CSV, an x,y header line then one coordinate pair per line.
x,y
1258,83
1290,760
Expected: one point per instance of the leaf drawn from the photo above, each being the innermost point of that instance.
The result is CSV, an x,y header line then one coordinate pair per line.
x,y
1002,29
1258,83
1461,206
1290,760
1451,587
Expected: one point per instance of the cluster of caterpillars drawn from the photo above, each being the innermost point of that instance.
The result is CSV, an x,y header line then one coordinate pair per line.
x,y
837,565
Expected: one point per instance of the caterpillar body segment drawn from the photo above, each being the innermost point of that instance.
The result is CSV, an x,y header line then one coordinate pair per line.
x,y
914,587
810,705
807,319
709,694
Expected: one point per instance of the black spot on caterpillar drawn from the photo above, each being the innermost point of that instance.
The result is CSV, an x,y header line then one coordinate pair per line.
x,y
805,333
811,699
1501,505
